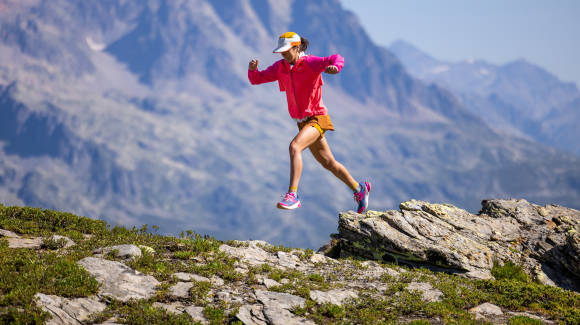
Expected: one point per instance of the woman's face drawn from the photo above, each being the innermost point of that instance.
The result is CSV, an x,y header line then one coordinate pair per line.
x,y
291,55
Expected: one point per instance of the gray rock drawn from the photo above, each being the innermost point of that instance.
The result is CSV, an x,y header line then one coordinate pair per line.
x,y
8,233
280,316
180,289
336,297
181,276
217,281
252,255
174,307
485,310
224,296
279,299
270,283
118,280
15,241
196,313
68,242
68,311
252,315
123,251
288,260
544,240
428,293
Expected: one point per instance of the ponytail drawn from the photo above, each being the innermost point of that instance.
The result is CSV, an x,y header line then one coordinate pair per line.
x,y
303,44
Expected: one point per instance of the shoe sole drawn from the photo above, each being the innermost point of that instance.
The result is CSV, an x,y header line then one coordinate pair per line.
x,y
289,207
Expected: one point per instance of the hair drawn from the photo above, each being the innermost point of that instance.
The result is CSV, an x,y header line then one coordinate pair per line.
x,y
303,44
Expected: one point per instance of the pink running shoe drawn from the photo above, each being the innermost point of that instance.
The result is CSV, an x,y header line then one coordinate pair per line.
x,y
362,197
289,202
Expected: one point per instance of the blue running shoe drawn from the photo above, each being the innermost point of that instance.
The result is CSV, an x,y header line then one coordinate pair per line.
x,y
289,202
362,197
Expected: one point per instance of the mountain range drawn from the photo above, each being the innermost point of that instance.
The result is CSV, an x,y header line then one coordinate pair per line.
x,y
518,97
141,112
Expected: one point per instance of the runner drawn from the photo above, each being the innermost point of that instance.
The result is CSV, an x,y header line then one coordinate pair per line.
x,y
299,75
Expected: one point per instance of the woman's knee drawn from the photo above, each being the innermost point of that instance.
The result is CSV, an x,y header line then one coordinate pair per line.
x,y
294,148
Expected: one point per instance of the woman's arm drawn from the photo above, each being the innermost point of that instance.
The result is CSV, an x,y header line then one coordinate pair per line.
x,y
257,77
331,64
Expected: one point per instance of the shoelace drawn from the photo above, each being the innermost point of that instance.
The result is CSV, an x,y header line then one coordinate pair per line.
x,y
289,197
358,196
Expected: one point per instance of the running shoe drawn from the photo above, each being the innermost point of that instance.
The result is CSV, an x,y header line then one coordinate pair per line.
x,y
362,197
289,202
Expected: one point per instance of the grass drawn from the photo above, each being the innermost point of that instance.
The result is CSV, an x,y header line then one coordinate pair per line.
x,y
54,270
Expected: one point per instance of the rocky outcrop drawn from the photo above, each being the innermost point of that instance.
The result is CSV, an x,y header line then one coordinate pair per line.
x,y
543,240
119,281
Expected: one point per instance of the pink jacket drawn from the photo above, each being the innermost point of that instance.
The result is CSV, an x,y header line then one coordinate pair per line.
x,y
301,82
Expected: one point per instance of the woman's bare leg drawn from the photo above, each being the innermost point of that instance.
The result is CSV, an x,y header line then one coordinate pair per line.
x,y
321,151
304,139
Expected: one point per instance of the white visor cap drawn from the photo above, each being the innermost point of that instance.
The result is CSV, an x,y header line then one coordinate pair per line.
x,y
286,41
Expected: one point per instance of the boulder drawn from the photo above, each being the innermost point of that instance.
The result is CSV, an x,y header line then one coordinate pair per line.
x,y
336,297
68,311
126,251
118,280
543,240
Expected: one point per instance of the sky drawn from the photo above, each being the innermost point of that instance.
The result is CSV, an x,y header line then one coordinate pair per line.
x,y
543,32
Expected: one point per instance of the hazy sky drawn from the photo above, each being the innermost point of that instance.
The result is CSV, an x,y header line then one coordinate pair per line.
x,y
544,32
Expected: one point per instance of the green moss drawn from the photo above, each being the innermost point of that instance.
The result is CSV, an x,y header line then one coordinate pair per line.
x,y
509,270
560,304
35,221
524,320
198,293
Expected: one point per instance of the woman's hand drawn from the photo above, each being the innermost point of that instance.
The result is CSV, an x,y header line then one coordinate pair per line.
x,y
253,65
331,69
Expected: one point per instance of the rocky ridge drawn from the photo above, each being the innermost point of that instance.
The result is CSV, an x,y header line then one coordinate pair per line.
x,y
267,284
543,240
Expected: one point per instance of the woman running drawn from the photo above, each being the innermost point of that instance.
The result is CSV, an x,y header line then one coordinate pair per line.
x,y
299,75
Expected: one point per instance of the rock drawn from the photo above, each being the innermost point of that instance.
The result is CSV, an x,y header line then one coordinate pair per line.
x,y
197,314
544,240
526,314
252,315
67,241
428,293
217,281
8,233
68,311
289,261
320,258
336,297
279,299
118,280
15,241
174,307
254,255
478,274
485,310
279,316
269,283
223,296
181,289
181,276
123,251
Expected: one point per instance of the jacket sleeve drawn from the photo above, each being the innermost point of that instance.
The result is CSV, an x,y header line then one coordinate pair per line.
x,y
257,77
319,64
